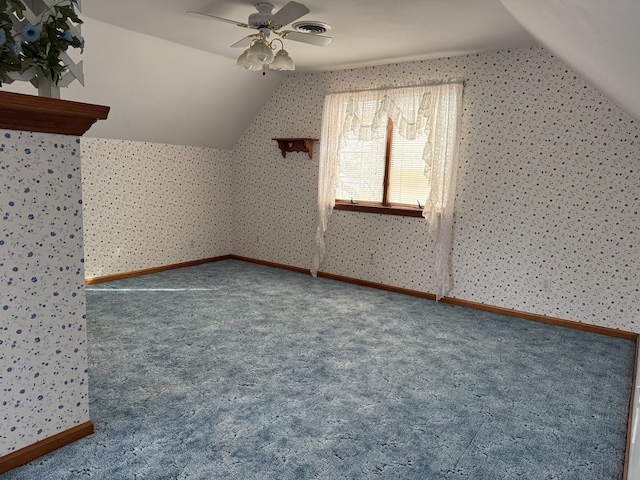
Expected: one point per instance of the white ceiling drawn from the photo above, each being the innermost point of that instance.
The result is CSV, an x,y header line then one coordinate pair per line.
x,y
364,32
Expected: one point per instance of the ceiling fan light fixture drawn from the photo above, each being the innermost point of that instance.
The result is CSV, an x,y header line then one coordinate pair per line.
x,y
244,63
260,53
282,61
261,49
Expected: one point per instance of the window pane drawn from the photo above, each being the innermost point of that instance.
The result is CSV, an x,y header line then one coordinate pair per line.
x,y
407,183
361,174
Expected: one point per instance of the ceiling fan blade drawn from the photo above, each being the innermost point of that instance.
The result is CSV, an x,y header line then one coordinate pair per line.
x,y
220,19
245,42
311,38
287,14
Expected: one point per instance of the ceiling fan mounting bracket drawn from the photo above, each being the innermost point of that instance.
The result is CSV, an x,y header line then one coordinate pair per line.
x,y
264,7
262,19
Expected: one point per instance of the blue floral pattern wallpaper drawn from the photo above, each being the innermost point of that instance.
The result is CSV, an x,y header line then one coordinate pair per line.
x,y
43,343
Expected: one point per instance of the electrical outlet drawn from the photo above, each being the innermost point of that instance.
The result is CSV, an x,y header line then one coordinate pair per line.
x,y
372,258
546,285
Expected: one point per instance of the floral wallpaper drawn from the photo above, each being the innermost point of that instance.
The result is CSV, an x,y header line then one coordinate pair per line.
x,y
546,204
149,204
43,360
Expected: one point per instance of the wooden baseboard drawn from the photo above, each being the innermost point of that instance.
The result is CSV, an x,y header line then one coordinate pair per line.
x,y
147,271
281,266
48,445
586,327
560,322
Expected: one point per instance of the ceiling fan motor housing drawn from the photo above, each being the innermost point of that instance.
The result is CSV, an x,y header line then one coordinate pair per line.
x,y
262,18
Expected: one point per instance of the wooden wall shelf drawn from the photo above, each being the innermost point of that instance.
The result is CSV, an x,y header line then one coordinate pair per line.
x,y
49,115
296,145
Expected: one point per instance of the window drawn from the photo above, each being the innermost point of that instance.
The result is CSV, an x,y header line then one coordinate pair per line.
x,y
392,151
383,175
391,148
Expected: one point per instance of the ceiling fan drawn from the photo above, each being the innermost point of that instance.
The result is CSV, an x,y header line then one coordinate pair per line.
x,y
260,54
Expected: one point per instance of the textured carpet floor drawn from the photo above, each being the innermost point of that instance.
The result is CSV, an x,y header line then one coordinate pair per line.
x,y
237,371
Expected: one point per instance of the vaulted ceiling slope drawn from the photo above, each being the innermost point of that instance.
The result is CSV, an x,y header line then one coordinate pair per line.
x,y
163,92
599,39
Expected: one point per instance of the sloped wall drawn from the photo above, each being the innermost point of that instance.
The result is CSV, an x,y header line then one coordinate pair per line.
x,y
141,79
148,204
547,198
43,343
598,39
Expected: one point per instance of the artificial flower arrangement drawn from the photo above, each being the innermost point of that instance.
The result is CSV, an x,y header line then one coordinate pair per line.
x,y
38,46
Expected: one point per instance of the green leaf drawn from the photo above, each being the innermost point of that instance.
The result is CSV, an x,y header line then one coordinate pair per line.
x,y
44,54
17,7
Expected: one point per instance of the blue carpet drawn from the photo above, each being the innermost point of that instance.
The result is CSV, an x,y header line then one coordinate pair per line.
x,y
237,371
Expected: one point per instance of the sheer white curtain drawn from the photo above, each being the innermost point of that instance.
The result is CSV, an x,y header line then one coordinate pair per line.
x,y
430,109
333,117
441,165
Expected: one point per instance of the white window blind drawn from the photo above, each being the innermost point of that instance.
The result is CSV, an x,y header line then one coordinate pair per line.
x,y
407,183
362,164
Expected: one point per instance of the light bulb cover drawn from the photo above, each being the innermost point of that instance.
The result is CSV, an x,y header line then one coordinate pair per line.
x,y
282,61
260,53
244,63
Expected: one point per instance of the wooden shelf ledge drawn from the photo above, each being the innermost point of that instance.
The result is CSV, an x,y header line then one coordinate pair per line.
x,y
49,115
296,145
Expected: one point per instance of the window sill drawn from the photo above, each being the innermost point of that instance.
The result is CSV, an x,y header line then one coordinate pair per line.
x,y
403,210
